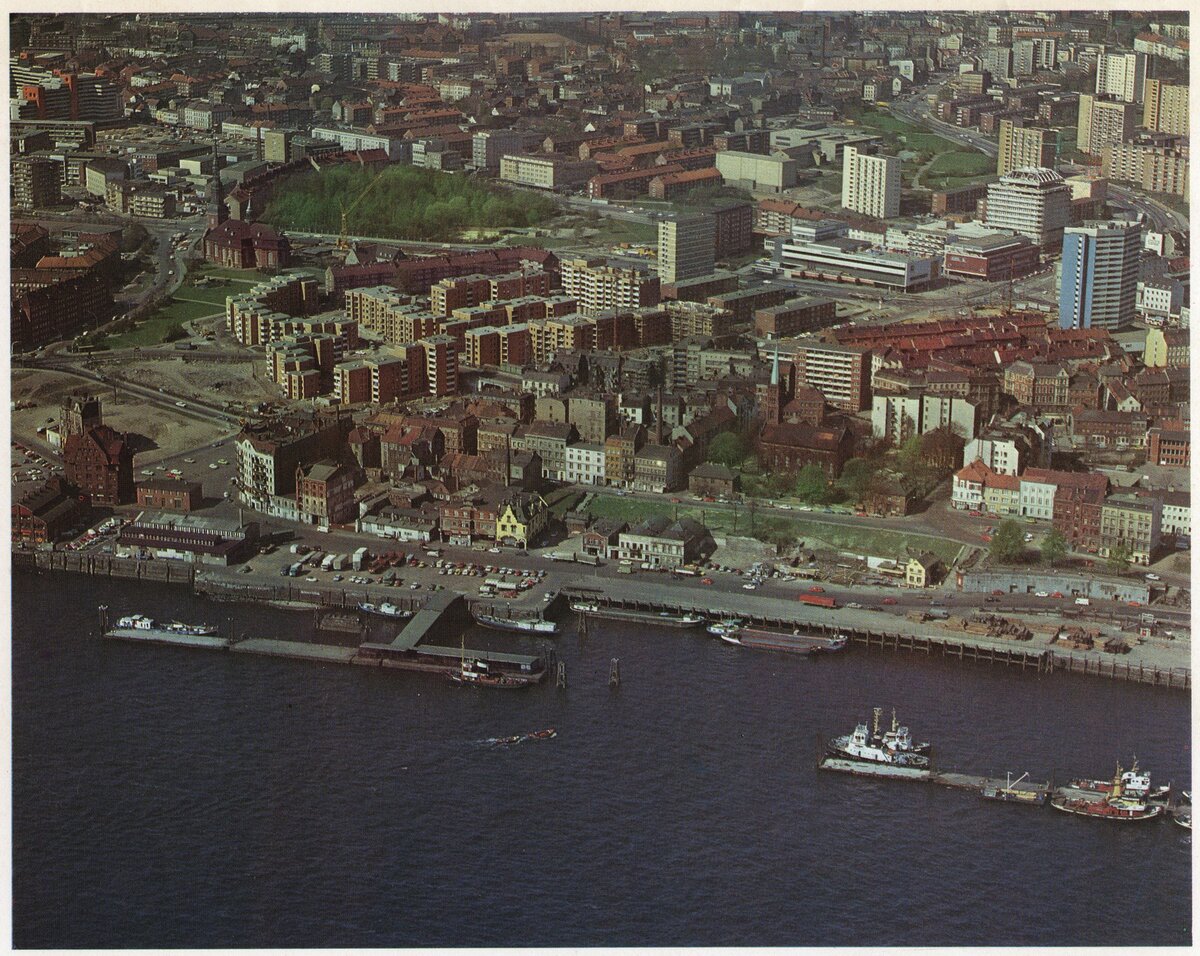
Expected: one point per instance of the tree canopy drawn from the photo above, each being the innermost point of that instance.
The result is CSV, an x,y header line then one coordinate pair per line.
x,y
405,203
1119,557
1054,547
811,484
1008,543
728,448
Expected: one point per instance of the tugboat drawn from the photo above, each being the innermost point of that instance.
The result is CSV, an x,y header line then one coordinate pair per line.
x,y
140,622
1134,783
386,609
524,625
477,673
1113,804
894,747
729,626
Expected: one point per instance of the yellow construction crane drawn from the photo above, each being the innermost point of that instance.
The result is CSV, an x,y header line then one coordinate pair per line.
x,y
343,243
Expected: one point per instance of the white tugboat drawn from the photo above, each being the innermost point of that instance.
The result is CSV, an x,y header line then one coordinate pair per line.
x,y
893,747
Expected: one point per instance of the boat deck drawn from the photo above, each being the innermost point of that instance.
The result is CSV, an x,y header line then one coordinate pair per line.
x,y
945,778
297,650
207,641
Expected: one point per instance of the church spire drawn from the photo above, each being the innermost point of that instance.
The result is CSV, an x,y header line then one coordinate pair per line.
x,y
219,213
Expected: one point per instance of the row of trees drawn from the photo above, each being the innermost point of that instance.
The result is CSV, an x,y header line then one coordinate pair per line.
x,y
406,203
919,462
1008,547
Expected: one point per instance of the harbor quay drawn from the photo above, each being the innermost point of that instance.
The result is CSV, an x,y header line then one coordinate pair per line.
x,y
432,638
879,630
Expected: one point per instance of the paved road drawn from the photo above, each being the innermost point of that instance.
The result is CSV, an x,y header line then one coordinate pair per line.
x,y
1161,216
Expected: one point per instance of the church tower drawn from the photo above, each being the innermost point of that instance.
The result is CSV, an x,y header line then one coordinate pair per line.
x,y
218,213
773,407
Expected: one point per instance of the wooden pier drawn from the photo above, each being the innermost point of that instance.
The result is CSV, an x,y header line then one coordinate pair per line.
x,y
444,615
1037,660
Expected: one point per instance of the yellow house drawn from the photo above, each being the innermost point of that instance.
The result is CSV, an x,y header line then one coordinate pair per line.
x,y
522,519
921,570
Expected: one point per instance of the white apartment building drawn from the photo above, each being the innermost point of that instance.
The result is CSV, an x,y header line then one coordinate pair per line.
x,y
1103,122
584,464
1001,455
545,172
597,287
870,184
1033,202
1122,75
1037,498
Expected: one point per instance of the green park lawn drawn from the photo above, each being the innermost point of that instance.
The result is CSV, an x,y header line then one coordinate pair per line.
x,y
154,329
952,169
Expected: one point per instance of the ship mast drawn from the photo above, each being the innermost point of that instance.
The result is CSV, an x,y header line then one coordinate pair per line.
x,y
875,726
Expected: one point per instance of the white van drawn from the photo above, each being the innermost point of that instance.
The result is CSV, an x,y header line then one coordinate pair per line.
x,y
1083,602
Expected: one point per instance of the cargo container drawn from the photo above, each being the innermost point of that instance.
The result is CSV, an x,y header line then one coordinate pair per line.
x,y
360,558
817,600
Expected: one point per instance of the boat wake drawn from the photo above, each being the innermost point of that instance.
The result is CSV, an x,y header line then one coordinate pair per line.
x,y
518,739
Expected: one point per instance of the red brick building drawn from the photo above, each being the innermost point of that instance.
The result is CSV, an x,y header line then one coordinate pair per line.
x,y
1078,500
237,244
734,226
100,464
1169,447
164,494
991,258
671,185
789,447
325,493
44,515
59,310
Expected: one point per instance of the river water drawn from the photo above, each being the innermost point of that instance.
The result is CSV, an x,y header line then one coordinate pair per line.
x,y
167,797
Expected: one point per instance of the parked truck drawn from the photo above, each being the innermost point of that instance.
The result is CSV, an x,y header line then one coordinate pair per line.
x,y
817,600
359,559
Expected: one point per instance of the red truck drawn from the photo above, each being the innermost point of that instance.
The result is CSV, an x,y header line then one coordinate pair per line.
x,y
817,600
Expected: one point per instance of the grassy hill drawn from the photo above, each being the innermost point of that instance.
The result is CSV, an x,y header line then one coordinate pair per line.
x,y
406,203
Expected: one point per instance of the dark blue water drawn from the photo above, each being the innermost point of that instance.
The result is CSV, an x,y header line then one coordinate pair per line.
x,y
167,798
